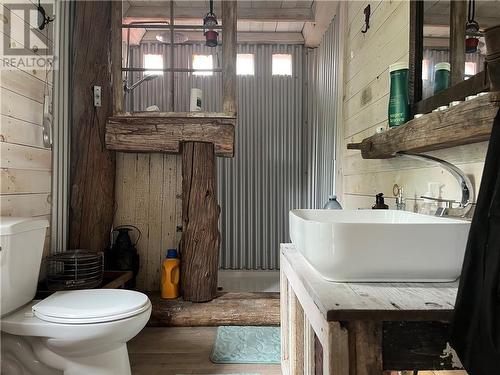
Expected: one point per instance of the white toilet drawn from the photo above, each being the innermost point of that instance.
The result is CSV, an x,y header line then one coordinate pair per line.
x,y
83,332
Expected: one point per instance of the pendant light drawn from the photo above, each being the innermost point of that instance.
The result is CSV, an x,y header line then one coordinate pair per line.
x,y
209,23
471,29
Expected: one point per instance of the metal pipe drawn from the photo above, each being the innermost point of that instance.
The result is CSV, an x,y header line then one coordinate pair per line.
x,y
466,186
166,26
175,70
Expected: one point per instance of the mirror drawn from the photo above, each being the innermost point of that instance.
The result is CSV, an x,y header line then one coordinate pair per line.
x,y
436,57
447,45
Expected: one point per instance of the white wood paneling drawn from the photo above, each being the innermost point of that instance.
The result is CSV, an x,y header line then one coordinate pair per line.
x,y
366,95
26,168
149,196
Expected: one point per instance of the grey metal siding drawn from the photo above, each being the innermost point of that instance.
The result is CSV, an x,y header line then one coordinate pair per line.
x,y
283,153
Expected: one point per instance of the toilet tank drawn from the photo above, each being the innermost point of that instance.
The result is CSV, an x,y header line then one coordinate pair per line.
x,y
21,248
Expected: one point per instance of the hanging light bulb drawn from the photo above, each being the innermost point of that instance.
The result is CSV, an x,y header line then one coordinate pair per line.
x,y
471,30
209,23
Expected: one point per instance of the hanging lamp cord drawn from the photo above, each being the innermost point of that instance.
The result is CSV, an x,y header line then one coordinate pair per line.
x,y
472,10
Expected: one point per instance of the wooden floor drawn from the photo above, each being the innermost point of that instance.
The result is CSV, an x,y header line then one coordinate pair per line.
x,y
186,350
182,350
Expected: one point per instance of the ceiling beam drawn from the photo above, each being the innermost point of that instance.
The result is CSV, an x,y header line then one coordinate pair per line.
x,y
249,14
324,12
243,37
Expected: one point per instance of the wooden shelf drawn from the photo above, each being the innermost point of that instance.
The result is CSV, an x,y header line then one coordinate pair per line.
x,y
468,122
166,131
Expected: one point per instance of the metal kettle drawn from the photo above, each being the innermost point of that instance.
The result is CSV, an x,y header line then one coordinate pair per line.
x,y
123,255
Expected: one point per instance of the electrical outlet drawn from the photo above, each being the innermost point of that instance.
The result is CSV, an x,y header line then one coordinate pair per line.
x,y
97,95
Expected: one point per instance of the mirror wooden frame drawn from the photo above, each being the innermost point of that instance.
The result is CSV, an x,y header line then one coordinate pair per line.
x,y
476,84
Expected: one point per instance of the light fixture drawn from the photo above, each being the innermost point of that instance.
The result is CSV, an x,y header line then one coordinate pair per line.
x,y
209,23
471,30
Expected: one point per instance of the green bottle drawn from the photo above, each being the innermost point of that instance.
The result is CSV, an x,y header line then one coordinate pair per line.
x,y
399,107
442,76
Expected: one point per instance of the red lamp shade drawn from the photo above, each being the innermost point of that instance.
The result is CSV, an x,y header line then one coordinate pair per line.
x,y
471,45
211,38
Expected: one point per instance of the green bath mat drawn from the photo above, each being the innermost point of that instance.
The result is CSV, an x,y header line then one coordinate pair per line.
x,y
247,345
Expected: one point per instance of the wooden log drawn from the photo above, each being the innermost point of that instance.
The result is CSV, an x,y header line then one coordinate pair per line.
x,y
255,309
469,122
200,215
92,169
165,132
229,22
458,18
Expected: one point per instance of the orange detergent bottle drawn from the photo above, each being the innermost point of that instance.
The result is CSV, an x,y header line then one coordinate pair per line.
x,y
170,271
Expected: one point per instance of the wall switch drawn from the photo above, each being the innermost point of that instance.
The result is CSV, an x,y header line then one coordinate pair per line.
x,y
97,95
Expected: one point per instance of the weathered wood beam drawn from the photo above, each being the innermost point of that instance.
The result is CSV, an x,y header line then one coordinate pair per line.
x,y
229,18
476,84
92,168
458,18
324,12
249,309
200,217
469,122
116,56
247,14
165,132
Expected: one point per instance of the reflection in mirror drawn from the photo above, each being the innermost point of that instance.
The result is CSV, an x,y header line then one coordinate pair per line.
x,y
436,57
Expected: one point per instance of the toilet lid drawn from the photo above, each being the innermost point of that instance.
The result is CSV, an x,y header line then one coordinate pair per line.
x,y
91,306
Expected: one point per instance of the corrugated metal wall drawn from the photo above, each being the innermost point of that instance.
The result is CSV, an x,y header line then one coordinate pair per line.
x,y
279,147
320,119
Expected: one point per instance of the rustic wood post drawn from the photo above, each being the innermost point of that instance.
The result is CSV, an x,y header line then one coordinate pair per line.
x,y
200,216
116,56
229,22
92,170
458,18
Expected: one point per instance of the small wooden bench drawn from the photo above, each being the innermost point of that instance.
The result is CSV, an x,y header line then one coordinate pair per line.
x,y
362,328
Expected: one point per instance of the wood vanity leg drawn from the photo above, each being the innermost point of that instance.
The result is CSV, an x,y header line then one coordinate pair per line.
x,y
296,330
336,352
309,349
365,345
284,288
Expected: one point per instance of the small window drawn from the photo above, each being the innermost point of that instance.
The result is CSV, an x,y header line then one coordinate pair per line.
x,y
425,69
203,62
470,68
282,64
153,62
244,64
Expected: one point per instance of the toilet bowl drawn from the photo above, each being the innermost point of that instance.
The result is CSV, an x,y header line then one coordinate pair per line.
x,y
81,332
74,333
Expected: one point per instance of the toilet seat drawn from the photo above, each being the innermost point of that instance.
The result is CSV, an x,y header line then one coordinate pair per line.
x,y
90,306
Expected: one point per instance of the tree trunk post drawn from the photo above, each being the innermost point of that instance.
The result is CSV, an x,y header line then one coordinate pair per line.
x,y
200,215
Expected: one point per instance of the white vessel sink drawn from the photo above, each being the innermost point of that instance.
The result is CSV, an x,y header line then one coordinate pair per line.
x,y
380,245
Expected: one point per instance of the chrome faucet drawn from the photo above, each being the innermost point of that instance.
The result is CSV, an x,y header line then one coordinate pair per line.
x,y
466,187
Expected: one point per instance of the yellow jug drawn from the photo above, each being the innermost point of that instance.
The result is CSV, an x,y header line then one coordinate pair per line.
x,y
170,272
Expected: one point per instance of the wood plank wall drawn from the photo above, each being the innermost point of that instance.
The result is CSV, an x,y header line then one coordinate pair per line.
x,y
26,165
148,194
366,95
